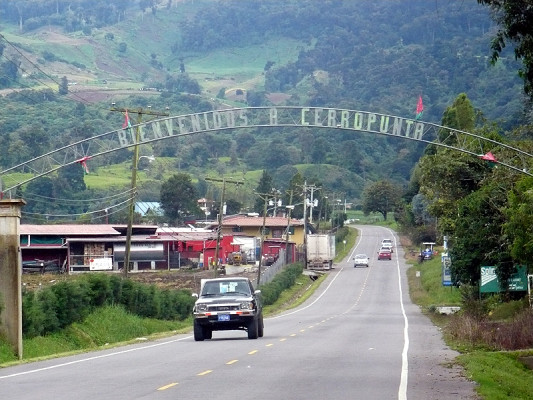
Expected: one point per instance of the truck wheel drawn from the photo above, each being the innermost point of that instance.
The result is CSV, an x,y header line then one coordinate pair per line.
x,y
198,332
208,333
260,327
253,329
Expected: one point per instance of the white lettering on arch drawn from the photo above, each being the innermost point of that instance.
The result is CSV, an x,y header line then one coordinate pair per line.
x,y
332,118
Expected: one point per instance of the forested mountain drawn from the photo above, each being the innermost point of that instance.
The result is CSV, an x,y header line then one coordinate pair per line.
x,y
63,62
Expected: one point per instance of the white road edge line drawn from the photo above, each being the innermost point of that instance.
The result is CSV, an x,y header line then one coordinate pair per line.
x,y
402,389
93,358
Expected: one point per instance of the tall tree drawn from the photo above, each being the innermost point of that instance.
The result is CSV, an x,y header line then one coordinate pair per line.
x,y
179,198
264,187
381,197
445,177
520,220
478,238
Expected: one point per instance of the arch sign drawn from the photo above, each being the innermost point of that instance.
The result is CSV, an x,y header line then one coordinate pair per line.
x,y
254,117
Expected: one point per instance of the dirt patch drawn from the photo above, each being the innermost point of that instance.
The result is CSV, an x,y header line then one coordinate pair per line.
x,y
527,361
53,35
278,98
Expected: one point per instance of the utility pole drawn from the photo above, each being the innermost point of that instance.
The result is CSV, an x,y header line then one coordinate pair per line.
x,y
306,188
220,214
289,207
265,197
140,112
305,224
312,203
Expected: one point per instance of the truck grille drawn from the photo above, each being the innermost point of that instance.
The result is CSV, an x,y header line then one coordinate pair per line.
x,y
226,307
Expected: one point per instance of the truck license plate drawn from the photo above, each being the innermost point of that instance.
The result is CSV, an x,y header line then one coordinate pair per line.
x,y
223,317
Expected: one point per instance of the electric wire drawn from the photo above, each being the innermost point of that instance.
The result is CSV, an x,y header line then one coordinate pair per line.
x,y
36,67
102,210
39,198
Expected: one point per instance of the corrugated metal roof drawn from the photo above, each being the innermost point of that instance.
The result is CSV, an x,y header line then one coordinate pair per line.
x,y
68,229
184,235
241,220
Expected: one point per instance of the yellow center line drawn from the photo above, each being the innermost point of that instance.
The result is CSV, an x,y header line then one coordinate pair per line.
x,y
168,386
253,352
302,330
282,339
205,372
311,326
293,334
231,362
270,344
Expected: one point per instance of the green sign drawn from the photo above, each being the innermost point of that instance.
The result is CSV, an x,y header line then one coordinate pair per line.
x,y
491,284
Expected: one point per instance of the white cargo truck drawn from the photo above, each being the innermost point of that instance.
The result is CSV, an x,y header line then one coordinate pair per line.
x,y
320,251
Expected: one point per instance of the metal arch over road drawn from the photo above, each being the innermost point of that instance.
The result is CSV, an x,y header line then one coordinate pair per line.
x,y
253,117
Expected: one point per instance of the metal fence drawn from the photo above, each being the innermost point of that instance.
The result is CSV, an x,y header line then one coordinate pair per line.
x,y
268,273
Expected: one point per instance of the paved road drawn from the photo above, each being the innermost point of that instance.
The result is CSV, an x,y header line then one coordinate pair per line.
x,y
357,337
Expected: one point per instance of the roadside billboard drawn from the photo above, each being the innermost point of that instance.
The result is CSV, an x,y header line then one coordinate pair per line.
x,y
491,284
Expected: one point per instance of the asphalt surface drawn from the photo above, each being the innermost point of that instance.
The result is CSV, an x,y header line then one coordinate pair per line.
x,y
357,337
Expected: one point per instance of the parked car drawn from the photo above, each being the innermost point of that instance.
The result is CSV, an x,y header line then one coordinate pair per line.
x,y
361,259
227,304
384,254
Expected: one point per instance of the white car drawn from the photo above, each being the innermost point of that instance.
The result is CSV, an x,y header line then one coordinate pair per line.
x,y
387,244
361,259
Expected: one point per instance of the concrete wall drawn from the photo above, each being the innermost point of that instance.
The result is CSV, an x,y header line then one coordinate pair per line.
x,y
10,274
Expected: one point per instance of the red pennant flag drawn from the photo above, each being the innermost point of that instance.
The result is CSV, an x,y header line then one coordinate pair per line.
x,y
83,162
127,121
419,108
489,157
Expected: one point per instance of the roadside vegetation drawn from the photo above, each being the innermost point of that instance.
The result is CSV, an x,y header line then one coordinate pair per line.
x,y
113,324
95,311
494,337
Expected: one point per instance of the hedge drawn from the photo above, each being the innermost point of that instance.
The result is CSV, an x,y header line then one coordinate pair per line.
x,y
271,291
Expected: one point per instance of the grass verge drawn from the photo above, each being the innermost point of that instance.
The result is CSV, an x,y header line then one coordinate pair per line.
x,y
499,374
109,326
295,295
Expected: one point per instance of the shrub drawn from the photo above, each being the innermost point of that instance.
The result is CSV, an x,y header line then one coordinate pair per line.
x,y
271,291
478,333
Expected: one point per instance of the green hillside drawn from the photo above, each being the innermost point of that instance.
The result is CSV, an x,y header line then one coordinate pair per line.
x,y
194,56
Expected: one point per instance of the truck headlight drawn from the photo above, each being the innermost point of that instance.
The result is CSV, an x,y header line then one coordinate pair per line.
x,y
202,307
247,305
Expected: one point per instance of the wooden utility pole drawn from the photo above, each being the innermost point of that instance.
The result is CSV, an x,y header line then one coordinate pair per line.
x,y
220,214
289,207
140,112
265,197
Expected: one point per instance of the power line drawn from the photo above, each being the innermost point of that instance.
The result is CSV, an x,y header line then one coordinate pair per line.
x,y
37,67
37,198
106,210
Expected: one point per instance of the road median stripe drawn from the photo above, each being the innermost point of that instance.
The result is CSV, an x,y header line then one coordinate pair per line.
x,y
168,386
